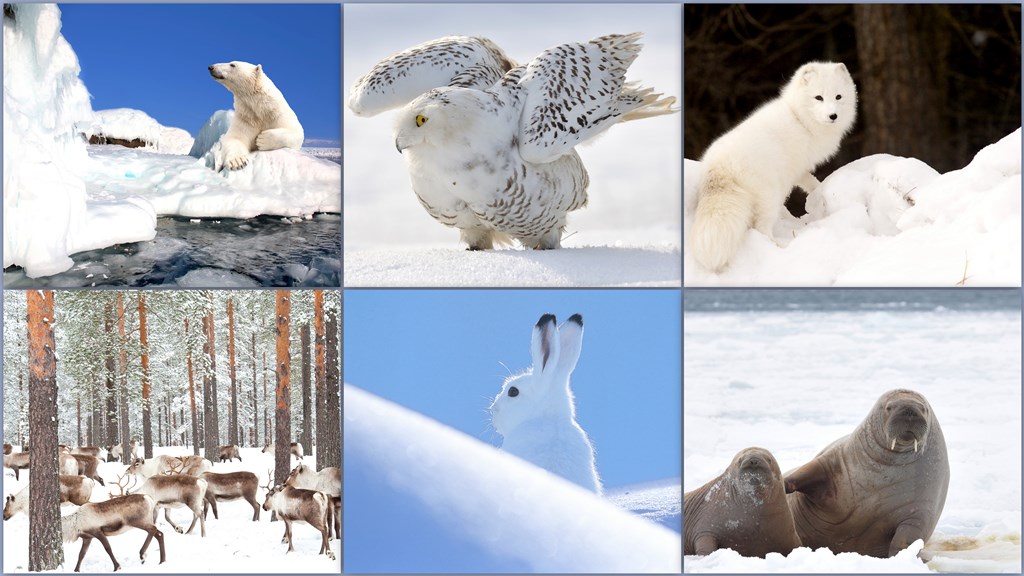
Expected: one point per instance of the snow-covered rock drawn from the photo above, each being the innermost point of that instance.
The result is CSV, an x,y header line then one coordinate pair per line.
x,y
135,125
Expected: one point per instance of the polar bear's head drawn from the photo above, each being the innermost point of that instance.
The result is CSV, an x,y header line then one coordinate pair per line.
x,y
238,77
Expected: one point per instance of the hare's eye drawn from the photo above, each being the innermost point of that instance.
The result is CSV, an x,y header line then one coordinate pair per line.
x,y
513,392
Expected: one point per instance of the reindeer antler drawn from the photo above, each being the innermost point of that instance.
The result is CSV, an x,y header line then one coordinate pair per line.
x,y
176,469
121,486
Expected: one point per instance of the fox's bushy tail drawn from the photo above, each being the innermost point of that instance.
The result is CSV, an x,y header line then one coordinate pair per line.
x,y
724,213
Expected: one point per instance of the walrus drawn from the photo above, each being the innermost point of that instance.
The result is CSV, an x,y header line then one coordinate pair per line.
x,y
878,489
743,509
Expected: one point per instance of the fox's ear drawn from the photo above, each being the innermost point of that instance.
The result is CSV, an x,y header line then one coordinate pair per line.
x,y
808,74
842,67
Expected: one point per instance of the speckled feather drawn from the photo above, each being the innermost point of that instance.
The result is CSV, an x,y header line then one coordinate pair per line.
x,y
495,158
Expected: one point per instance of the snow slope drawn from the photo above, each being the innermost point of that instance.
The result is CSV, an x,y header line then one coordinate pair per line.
x,y
421,497
233,543
61,198
794,381
888,221
628,234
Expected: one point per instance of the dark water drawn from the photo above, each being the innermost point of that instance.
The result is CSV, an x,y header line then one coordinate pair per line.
x,y
261,251
851,300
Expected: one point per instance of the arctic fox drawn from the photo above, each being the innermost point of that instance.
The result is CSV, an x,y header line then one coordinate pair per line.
x,y
750,170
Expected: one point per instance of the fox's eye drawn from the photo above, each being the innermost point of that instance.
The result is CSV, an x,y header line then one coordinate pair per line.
x,y
421,120
819,98
513,392
839,96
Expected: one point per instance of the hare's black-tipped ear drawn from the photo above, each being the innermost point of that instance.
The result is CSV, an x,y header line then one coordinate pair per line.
x,y
570,337
544,345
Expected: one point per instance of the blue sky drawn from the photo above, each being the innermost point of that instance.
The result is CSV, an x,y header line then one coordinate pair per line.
x,y
154,57
441,353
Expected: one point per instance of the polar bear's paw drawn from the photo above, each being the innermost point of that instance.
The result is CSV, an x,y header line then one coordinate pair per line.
x,y
232,155
236,162
276,138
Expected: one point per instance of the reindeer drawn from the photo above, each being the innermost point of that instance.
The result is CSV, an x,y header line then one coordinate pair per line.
x,y
88,466
228,453
175,491
115,453
195,465
296,449
8,448
16,461
73,490
154,466
68,464
102,519
327,481
296,504
231,487
93,451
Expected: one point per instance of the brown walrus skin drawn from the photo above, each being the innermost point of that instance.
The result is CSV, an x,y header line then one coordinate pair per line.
x,y
743,509
878,489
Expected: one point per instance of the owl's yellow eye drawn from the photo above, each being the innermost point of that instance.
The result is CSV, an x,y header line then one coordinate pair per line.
x,y
421,120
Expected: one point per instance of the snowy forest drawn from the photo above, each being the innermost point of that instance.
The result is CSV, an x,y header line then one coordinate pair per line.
x,y
171,373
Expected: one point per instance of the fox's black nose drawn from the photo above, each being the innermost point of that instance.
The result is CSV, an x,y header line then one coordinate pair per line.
x,y
833,116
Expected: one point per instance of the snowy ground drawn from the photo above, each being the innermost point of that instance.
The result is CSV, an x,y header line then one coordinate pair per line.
x,y
234,543
794,381
888,221
422,497
628,235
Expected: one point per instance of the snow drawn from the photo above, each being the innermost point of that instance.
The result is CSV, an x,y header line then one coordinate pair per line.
x,y
630,232
234,543
215,127
62,197
794,381
422,497
129,124
888,221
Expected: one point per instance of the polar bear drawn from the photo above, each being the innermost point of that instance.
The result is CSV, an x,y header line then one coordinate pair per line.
x,y
262,121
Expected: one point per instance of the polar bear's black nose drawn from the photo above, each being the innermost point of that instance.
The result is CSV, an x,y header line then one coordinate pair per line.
x,y
210,67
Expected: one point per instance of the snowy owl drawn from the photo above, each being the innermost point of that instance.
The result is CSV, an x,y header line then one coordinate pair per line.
x,y
489,144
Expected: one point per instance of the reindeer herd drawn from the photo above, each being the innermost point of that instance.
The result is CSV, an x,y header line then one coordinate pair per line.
x,y
147,485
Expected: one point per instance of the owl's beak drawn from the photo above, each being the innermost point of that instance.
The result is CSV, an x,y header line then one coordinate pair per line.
x,y
401,143
398,145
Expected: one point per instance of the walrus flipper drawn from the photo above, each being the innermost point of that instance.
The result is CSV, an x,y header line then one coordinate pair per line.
x,y
811,479
906,533
705,544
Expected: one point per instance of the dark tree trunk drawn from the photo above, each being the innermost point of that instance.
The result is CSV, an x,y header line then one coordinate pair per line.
x,y
110,417
306,437
233,410
210,436
282,411
192,396
78,418
122,393
319,355
147,390
45,549
903,65
266,419
255,413
332,410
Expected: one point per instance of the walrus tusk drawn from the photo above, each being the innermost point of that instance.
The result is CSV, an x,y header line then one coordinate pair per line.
x,y
893,447
915,444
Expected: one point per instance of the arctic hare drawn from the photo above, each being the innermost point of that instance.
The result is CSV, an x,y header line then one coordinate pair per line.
x,y
534,412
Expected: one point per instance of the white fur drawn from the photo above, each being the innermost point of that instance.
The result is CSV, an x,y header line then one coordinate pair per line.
x,y
262,120
750,170
539,423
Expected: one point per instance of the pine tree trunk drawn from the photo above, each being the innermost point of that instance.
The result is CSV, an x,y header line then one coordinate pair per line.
x,y
210,432
266,420
192,396
332,411
233,411
306,438
122,393
147,390
45,549
110,417
282,411
319,353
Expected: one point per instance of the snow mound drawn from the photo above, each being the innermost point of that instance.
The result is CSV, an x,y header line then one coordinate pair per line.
x,y
420,496
129,124
215,127
660,502
586,266
804,560
885,220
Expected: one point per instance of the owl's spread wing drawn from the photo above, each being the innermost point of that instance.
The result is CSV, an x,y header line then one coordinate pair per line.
x,y
575,91
464,61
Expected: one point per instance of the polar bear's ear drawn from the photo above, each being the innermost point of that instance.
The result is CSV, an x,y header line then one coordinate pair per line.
x,y
258,70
